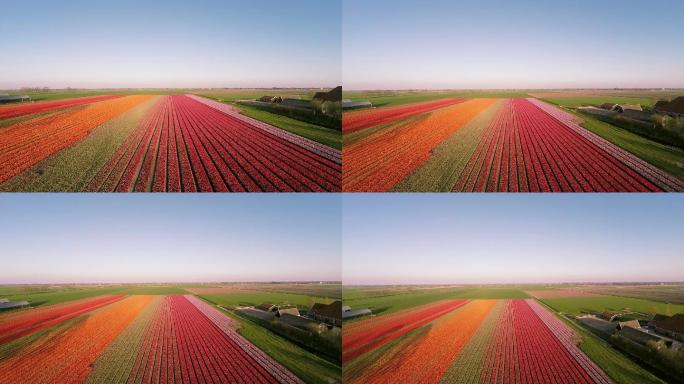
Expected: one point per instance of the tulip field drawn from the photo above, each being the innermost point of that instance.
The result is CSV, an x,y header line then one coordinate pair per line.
x,y
131,339
168,143
460,341
488,145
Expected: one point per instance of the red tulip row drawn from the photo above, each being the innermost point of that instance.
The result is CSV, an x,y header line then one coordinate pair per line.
x,y
228,326
525,350
659,177
526,149
185,145
22,323
569,339
356,121
313,146
183,345
46,106
366,335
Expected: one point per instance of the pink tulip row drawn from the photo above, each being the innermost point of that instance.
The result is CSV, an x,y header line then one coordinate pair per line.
x,y
315,147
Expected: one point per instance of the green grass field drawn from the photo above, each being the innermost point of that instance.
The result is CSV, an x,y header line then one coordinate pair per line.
x,y
383,304
323,135
644,308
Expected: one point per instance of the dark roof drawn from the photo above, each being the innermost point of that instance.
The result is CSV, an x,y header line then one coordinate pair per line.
x,y
638,336
659,317
264,307
672,324
296,321
332,310
674,106
660,103
607,106
334,95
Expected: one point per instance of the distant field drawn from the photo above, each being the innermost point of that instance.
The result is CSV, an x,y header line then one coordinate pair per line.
x,y
663,293
574,102
395,301
41,296
244,298
390,98
642,308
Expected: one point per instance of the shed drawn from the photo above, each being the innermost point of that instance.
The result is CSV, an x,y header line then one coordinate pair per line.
x,y
350,314
14,99
14,304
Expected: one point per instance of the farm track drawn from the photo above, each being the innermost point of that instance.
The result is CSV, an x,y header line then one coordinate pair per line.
x,y
379,161
185,145
25,144
356,121
46,106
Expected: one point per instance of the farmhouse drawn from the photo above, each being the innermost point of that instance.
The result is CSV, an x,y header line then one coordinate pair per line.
x,y
608,106
671,326
333,95
348,313
672,108
627,107
608,316
287,310
327,313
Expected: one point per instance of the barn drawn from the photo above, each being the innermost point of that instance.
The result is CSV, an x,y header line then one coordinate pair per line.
x,y
327,313
671,326
673,108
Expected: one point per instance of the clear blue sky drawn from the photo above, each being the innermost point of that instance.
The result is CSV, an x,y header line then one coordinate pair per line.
x,y
500,238
398,44
48,238
199,43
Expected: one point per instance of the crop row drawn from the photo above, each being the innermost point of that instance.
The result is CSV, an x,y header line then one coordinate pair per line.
x,y
370,334
65,357
26,143
184,145
380,160
664,180
356,121
526,149
46,106
23,323
313,146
